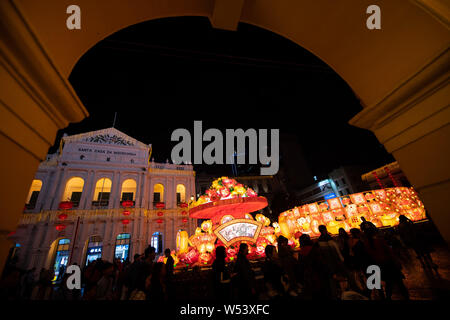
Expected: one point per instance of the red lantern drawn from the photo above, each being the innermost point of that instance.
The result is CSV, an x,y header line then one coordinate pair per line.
x,y
125,221
62,216
127,203
60,227
160,221
65,205
160,205
184,220
183,205
160,214
183,213
126,212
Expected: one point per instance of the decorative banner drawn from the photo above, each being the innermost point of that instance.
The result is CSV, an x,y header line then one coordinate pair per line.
x,y
334,203
238,230
358,198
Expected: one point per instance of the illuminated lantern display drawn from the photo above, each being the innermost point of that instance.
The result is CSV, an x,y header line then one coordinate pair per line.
x,y
65,205
125,221
62,216
182,241
60,227
126,212
159,221
183,205
127,203
160,205
160,214
381,207
184,212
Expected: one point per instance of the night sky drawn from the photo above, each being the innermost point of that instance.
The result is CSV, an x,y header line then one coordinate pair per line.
x,y
164,74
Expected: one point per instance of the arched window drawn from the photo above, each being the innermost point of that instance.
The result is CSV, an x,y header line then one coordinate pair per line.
x,y
128,190
122,246
102,192
158,193
33,194
61,257
94,249
73,191
157,242
181,193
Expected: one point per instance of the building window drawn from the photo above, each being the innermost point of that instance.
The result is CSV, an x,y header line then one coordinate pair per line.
x,y
128,190
158,193
181,193
157,242
61,258
94,249
33,194
73,191
122,246
102,192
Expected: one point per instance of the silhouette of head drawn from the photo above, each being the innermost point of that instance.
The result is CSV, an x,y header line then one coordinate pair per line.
x,y
220,253
323,229
167,252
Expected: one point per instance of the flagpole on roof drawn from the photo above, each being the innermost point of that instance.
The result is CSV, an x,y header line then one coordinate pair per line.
x,y
114,122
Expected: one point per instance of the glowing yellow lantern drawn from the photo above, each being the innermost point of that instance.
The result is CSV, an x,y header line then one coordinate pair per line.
x,y
284,228
182,241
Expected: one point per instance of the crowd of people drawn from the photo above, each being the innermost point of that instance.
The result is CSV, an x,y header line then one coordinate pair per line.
x,y
324,268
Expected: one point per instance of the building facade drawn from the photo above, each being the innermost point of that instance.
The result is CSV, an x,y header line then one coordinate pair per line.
x,y
94,173
341,181
390,175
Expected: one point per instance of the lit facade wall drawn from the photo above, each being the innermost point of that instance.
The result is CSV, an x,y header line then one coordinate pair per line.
x,y
96,171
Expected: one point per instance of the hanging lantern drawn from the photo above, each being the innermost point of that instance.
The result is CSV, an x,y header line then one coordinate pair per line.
x,y
126,212
62,216
160,205
183,205
60,227
125,221
183,212
184,220
378,179
160,221
65,205
160,214
127,203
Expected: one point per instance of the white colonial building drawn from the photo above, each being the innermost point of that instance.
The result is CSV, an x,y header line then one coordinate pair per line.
x,y
96,171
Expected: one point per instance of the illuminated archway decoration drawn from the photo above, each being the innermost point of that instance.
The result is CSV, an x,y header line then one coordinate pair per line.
x,y
238,230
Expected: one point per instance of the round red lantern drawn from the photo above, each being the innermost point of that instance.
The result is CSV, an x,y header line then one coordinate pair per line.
x,y
126,212
127,203
65,205
160,205
184,220
62,216
160,214
60,227
125,221
183,213
183,205
160,221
